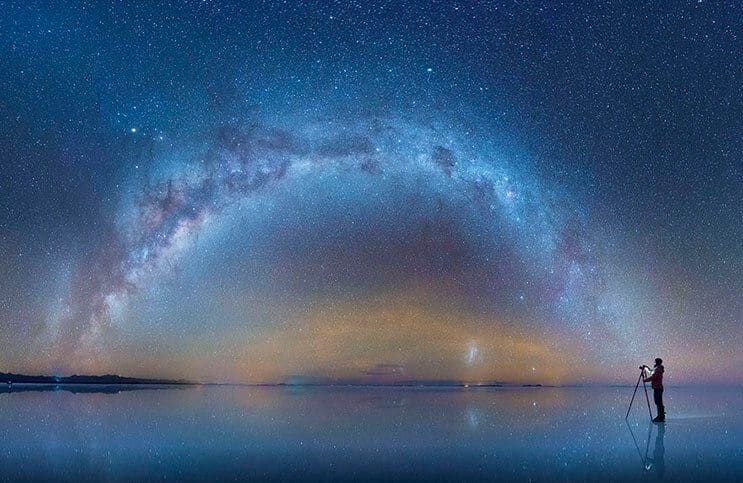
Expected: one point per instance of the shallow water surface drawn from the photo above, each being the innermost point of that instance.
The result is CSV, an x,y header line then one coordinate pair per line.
x,y
279,433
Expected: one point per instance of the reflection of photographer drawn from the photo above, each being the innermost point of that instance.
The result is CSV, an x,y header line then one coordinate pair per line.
x,y
655,378
658,461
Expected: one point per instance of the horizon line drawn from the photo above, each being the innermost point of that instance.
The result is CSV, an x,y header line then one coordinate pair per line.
x,y
348,383
387,385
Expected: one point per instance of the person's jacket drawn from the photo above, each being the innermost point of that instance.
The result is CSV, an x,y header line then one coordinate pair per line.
x,y
655,377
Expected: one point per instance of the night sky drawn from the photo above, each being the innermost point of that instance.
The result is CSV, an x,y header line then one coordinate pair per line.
x,y
544,192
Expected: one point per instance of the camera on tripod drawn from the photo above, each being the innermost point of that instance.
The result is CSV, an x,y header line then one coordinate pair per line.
x,y
647,399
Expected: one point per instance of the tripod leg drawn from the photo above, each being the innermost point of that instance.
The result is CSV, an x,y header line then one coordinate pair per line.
x,y
647,445
637,446
647,462
650,413
633,395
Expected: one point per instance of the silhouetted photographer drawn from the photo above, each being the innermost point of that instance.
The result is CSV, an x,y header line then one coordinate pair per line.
x,y
655,378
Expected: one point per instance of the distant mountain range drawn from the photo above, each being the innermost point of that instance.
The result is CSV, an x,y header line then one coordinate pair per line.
x,y
77,379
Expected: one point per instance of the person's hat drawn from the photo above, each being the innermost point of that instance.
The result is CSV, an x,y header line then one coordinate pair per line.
x,y
658,361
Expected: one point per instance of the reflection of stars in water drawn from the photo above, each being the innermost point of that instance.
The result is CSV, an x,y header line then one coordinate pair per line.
x,y
473,417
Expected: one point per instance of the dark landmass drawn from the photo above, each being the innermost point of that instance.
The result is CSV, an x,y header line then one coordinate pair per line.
x,y
110,379
87,388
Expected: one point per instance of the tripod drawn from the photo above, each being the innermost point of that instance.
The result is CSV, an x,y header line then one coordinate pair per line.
x,y
642,372
644,459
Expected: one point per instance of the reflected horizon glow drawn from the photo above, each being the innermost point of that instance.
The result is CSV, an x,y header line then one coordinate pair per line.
x,y
369,433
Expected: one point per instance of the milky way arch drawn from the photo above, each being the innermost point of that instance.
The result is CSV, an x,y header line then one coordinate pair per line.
x,y
156,226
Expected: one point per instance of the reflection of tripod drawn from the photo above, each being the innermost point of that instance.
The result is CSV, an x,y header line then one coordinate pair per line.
x,y
645,463
642,372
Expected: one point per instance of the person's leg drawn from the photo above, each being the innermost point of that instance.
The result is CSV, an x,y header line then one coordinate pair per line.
x,y
657,404
658,399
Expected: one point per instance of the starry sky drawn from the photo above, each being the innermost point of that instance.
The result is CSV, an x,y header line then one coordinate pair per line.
x,y
372,192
